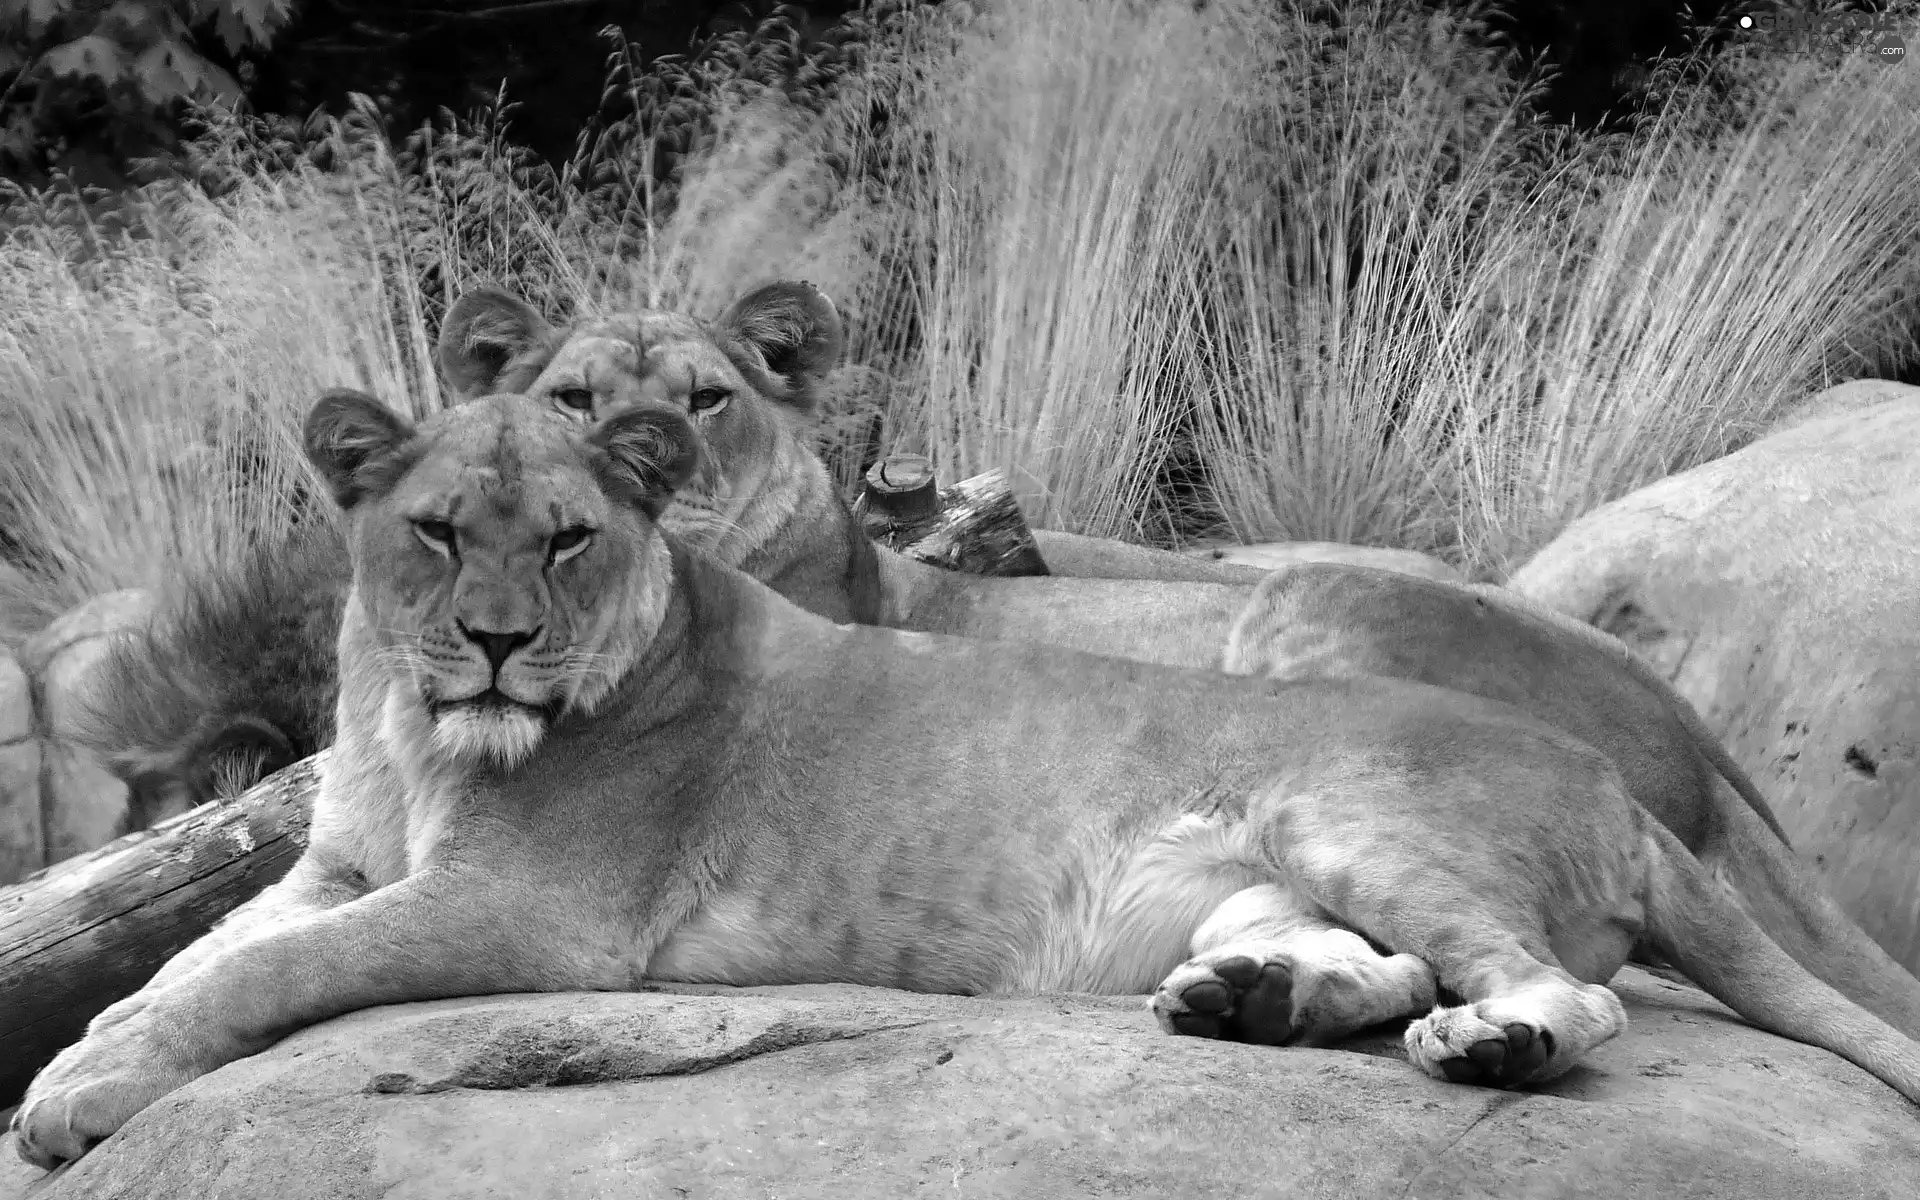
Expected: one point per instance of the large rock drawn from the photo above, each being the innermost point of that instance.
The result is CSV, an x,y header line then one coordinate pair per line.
x,y
854,1093
1779,588
1844,399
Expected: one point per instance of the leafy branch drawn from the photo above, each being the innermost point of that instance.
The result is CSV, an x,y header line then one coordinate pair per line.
x,y
121,65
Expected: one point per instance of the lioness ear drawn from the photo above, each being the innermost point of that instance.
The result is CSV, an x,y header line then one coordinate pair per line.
x,y
352,439
650,451
797,333
485,330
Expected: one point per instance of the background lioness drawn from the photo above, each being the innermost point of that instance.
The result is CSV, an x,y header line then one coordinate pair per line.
x,y
216,675
574,753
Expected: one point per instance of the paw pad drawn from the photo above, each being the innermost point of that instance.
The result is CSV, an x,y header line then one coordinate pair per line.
x,y
1502,1062
1245,1001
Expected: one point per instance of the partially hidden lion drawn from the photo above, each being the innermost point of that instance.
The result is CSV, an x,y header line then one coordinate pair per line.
x,y
574,752
763,502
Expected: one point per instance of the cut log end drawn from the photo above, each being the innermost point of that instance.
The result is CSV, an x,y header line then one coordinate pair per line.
x,y
980,530
974,526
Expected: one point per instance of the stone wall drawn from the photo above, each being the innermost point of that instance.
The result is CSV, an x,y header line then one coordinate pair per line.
x,y
56,799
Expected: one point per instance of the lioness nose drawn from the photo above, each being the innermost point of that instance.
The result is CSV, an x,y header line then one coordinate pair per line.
x,y
496,646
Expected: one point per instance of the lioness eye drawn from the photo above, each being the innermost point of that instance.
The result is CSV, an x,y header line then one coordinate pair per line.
x,y
568,540
437,534
578,399
708,399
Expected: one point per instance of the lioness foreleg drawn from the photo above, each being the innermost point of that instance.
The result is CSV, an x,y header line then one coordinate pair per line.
x,y
428,936
308,888
1271,967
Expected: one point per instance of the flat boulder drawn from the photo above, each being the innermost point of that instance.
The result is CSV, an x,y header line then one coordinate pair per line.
x,y
845,1092
1779,589
57,799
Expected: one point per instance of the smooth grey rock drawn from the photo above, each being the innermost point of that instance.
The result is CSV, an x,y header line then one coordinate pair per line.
x,y
1779,589
849,1093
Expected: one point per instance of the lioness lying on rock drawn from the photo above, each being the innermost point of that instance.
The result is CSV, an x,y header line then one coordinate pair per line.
x,y
574,753
249,660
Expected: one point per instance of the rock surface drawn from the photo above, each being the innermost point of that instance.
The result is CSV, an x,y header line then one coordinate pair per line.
x,y
853,1093
77,804
1842,399
22,841
1779,589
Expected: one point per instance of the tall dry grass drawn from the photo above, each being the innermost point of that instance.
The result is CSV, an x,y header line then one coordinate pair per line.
x,y
1333,269
1675,301
157,380
155,385
1343,263
1051,169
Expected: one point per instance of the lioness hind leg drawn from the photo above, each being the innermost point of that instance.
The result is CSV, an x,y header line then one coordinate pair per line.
x,y
438,933
1528,1031
1465,888
1269,967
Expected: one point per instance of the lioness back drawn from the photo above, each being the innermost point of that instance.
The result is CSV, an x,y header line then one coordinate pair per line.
x,y
1334,619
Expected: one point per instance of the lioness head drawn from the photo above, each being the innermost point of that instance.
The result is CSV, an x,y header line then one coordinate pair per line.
x,y
748,381
506,559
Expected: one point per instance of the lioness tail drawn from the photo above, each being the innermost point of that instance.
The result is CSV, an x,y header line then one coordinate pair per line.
x,y
1700,928
1777,891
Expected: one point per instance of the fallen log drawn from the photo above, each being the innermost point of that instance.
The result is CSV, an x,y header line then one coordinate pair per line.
x,y
975,526
82,933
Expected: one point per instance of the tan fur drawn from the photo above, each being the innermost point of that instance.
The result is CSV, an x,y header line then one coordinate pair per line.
x,y
1310,618
763,501
735,809
1323,619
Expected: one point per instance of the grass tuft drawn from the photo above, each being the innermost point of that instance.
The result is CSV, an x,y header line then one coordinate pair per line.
x,y
1268,268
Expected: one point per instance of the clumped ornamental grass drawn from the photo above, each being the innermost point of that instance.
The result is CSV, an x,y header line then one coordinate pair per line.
x,y
1051,170
1344,264
154,386
1668,298
156,382
1335,270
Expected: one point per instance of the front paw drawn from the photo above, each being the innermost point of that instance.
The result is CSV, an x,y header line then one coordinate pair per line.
x,y
96,1085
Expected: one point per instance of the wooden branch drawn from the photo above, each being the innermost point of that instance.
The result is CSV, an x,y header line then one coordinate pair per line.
x,y
82,933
